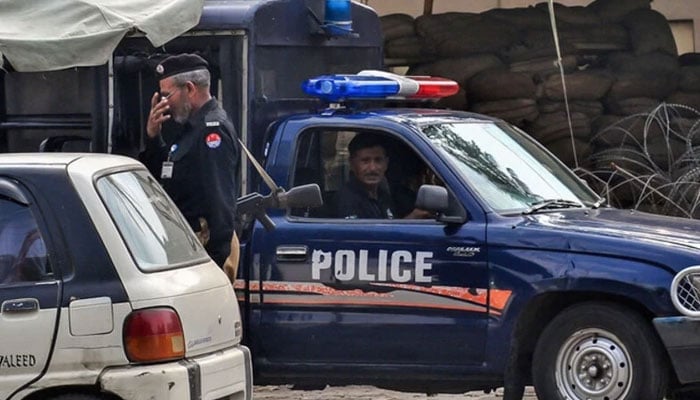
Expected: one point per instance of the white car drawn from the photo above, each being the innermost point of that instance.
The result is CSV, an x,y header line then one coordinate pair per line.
x,y
105,292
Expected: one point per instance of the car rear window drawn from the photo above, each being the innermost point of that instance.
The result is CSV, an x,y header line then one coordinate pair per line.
x,y
152,227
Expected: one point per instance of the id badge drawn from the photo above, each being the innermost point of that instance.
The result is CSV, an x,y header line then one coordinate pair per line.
x,y
166,171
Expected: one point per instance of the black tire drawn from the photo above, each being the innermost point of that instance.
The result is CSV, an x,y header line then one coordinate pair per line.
x,y
685,395
78,396
616,351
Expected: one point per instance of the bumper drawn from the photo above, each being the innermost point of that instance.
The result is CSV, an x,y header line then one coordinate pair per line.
x,y
224,375
681,336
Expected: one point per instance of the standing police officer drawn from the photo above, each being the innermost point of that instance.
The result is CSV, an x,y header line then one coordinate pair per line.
x,y
198,168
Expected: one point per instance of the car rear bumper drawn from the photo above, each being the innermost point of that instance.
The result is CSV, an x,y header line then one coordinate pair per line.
x,y
681,336
223,375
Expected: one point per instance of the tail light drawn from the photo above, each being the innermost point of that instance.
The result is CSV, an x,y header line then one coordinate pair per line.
x,y
154,335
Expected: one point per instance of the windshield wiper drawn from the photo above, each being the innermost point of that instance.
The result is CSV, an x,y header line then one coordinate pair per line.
x,y
550,204
599,203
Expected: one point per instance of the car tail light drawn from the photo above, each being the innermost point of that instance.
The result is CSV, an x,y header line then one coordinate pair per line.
x,y
154,335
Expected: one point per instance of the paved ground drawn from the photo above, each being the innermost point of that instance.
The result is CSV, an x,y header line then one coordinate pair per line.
x,y
366,393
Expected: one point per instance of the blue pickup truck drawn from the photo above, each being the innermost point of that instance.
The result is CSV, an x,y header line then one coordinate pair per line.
x,y
522,276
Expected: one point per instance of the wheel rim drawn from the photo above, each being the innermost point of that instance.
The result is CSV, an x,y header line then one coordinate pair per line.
x,y
593,364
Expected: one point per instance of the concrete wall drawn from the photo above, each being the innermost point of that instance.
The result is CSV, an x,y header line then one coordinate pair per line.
x,y
687,34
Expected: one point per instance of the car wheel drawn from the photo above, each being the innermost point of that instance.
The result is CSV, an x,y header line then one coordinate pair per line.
x,y
599,351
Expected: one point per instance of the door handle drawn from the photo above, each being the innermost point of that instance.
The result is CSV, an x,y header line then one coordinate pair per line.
x,y
293,253
20,306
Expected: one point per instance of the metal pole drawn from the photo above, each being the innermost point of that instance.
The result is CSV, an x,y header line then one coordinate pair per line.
x,y
427,7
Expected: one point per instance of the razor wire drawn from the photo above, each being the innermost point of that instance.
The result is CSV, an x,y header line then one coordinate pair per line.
x,y
649,162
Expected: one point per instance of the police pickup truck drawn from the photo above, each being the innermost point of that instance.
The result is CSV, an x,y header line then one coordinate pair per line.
x,y
523,275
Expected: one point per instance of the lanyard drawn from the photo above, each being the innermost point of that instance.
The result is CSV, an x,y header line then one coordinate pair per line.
x,y
172,151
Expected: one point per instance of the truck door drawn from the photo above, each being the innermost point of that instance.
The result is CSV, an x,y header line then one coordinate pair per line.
x,y
28,293
368,291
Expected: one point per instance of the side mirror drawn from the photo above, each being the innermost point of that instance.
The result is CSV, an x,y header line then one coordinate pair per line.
x,y
255,204
301,196
432,198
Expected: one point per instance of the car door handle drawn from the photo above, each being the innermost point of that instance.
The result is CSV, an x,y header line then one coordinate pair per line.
x,y
293,253
20,305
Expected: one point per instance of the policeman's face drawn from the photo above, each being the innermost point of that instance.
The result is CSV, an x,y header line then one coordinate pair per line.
x,y
369,165
180,106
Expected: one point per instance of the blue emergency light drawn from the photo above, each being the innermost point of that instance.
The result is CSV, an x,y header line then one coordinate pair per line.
x,y
378,85
338,18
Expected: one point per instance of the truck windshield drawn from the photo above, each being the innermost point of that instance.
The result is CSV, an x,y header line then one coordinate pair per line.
x,y
508,170
153,229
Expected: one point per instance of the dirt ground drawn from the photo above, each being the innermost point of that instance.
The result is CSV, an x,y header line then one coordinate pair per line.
x,y
366,393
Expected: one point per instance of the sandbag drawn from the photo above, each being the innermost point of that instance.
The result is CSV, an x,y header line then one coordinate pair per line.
x,y
602,37
458,69
563,148
581,85
552,126
515,111
663,149
631,105
591,108
522,51
690,78
406,47
498,84
656,63
574,39
688,129
395,26
535,44
457,101
429,24
571,15
520,18
616,10
649,31
540,68
629,158
689,59
655,86
459,34
687,99
616,131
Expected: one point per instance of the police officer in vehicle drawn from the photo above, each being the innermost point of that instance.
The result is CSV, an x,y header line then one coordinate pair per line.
x,y
367,194
198,167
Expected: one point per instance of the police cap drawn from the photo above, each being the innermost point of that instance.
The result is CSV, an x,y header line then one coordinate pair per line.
x,y
180,63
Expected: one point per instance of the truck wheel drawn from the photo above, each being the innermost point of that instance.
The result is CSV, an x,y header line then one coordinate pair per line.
x,y
599,351
685,395
77,396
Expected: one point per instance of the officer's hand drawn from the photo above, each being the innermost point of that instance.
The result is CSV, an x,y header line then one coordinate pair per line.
x,y
158,115
417,213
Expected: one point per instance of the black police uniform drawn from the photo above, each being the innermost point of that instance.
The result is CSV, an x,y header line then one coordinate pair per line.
x,y
205,158
354,201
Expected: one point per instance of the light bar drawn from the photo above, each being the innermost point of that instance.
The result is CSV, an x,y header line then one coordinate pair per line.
x,y
378,85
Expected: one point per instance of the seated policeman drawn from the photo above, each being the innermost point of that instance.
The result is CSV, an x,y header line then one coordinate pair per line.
x,y
366,194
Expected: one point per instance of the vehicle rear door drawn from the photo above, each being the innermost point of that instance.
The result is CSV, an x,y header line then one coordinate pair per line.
x,y
29,292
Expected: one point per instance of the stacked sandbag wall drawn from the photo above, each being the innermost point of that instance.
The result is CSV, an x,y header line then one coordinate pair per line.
x,y
619,59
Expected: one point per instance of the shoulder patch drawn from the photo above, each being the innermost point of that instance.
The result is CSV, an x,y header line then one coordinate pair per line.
x,y
213,140
213,123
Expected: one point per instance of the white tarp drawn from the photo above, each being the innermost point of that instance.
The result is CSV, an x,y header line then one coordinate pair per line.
x,y
47,35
